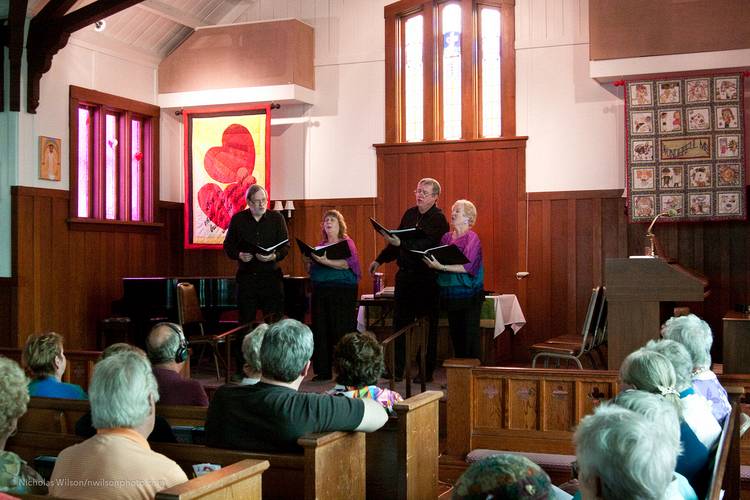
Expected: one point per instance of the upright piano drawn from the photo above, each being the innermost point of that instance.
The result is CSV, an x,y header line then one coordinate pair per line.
x,y
150,299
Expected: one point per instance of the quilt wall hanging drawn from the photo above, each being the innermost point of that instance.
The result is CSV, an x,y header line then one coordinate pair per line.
x,y
685,148
227,149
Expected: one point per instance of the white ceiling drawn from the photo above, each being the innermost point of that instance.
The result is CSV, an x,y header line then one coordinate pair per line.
x,y
154,28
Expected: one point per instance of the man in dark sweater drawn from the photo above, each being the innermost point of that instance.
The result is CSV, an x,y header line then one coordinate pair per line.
x,y
416,292
260,282
271,415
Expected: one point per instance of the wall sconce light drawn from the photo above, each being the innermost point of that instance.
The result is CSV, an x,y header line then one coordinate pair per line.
x,y
289,207
100,25
280,206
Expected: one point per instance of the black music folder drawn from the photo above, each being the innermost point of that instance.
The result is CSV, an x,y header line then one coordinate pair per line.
x,y
445,254
404,234
333,251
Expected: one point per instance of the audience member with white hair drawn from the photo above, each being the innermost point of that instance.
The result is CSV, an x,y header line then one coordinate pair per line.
x,y
695,335
650,371
117,463
663,415
15,475
623,455
696,410
251,354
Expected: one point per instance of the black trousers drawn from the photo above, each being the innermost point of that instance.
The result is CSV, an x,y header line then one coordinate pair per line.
x,y
264,291
416,295
463,324
334,314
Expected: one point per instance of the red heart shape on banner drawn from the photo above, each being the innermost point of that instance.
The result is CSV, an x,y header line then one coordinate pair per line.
x,y
234,160
219,205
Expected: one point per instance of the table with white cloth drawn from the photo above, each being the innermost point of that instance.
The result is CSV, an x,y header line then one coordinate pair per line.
x,y
498,312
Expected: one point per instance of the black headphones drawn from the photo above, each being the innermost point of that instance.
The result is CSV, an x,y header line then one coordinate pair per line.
x,y
181,354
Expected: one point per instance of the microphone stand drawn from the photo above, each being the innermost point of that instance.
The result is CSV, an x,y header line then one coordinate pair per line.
x,y
651,236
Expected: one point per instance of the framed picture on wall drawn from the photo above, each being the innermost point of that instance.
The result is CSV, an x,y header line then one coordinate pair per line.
x,y
50,152
227,150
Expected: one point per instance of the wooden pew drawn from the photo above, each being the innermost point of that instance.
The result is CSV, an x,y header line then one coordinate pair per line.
x,y
332,465
402,457
405,450
520,409
240,480
532,410
726,464
79,369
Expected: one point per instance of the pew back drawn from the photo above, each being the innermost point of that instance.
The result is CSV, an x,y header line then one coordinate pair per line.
x,y
520,409
240,480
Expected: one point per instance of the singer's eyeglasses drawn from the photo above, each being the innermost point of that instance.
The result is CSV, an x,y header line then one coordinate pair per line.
x,y
424,192
259,203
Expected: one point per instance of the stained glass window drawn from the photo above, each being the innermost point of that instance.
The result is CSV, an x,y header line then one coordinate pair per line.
x,y
110,162
451,31
413,79
491,86
136,156
84,158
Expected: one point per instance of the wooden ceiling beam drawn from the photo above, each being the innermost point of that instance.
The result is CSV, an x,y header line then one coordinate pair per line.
x,y
54,9
15,37
47,35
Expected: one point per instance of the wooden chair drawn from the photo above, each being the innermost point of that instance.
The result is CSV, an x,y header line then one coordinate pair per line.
x,y
573,348
190,315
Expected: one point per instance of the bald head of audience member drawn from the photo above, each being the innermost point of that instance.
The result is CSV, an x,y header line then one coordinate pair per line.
x,y
164,342
623,455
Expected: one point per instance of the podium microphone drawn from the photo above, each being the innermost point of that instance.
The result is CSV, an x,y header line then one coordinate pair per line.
x,y
650,235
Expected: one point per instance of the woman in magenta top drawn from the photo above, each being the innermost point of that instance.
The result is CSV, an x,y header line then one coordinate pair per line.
x,y
334,296
462,285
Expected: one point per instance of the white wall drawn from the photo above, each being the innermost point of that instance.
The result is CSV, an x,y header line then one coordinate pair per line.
x,y
331,155
575,125
76,64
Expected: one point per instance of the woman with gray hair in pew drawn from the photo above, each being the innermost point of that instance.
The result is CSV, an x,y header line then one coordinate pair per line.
x,y
663,415
695,335
696,410
622,455
117,463
650,371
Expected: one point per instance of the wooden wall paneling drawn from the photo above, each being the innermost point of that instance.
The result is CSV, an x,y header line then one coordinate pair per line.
x,y
482,187
57,298
507,185
7,311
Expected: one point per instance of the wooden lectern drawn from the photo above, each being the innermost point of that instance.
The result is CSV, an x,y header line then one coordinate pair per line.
x,y
638,292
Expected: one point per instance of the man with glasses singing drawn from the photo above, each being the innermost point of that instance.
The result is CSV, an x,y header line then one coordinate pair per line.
x,y
260,282
416,291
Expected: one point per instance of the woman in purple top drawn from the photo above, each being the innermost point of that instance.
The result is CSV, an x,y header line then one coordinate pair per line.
x,y
334,294
695,334
462,285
